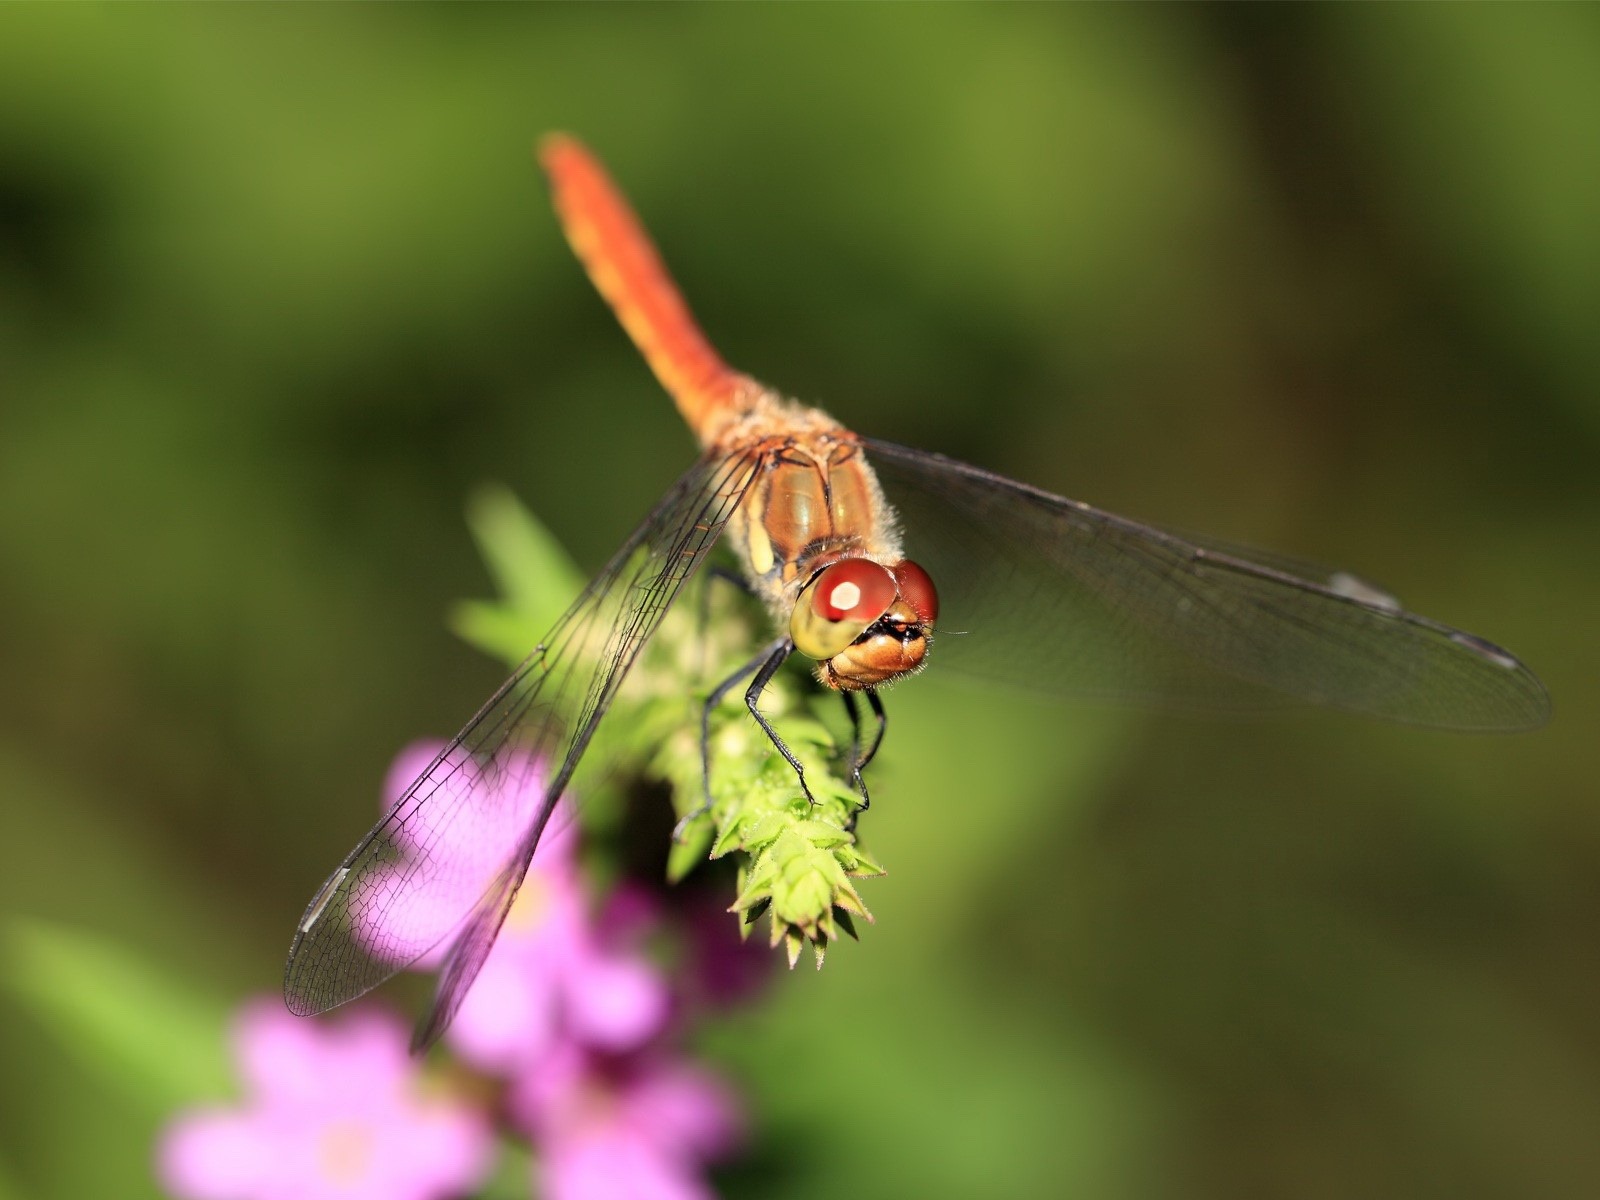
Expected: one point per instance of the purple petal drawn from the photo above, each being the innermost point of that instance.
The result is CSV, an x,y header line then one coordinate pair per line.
x,y
429,1152
396,923
279,1055
212,1155
551,1096
453,842
559,841
629,913
682,1111
616,1003
331,1113
726,969
407,767
508,1019
686,1108
286,1060
607,1163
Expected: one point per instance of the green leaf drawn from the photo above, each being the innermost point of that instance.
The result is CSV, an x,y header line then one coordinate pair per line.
x,y
154,1040
689,853
495,629
858,862
536,577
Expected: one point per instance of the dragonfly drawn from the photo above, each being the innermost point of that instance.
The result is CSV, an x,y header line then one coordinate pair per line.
x,y
1008,582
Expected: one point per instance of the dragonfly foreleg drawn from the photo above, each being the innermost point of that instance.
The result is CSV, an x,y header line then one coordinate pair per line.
x,y
859,761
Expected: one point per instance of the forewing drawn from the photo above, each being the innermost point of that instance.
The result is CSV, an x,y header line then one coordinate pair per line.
x,y
445,863
1050,593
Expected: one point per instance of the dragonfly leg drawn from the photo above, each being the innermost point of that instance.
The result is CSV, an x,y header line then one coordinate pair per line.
x,y
876,703
714,699
859,761
777,654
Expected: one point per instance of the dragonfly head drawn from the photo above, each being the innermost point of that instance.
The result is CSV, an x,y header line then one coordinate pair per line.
x,y
863,622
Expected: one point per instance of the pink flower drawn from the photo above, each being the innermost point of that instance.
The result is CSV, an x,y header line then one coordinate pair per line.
x,y
449,849
332,1112
722,968
551,976
550,973
641,1127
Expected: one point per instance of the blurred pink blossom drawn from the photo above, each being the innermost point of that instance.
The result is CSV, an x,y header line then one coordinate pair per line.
x,y
551,974
643,1126
450,849
548,978
721,969
332,1111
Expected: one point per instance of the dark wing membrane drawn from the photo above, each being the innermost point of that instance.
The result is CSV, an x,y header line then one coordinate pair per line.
x,y
1053,594
444,865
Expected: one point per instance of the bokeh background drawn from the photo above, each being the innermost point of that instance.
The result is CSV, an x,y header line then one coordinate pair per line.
x,y
279,288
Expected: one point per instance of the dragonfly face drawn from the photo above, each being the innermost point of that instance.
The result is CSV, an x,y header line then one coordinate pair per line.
x,y
1113,608
866,623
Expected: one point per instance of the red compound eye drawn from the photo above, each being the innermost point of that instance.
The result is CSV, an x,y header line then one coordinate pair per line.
x,y
853,588
916,588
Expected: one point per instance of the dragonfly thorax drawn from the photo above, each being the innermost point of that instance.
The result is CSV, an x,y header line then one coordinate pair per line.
x,y
814,500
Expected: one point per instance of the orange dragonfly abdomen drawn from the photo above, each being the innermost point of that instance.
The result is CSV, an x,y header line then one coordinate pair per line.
x,y
622,262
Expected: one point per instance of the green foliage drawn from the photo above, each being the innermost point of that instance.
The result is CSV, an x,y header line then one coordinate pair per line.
x,y
152,1040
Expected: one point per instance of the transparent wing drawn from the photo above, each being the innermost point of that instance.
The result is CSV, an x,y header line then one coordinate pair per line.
x,y
445,863
1053,594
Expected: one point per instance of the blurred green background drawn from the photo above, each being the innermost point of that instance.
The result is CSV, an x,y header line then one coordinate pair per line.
x,y
279,287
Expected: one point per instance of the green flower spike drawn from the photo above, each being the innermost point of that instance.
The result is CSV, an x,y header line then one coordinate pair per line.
x,y
798,858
